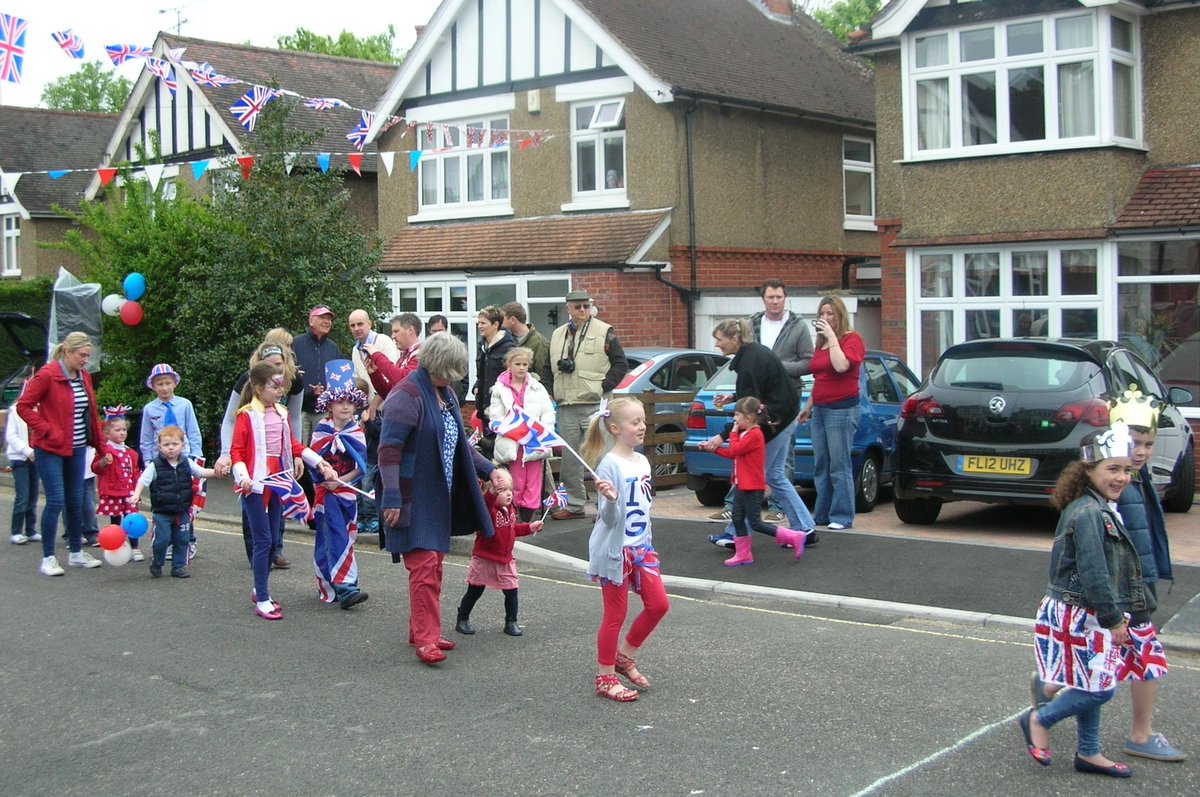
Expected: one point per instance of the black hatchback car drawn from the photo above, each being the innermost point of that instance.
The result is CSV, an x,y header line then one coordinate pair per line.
x,y
998,420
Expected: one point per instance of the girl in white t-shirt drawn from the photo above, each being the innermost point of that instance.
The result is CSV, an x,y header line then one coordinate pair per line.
x,y
620,551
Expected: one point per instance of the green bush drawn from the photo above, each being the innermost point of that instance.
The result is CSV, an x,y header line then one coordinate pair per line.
x,y
31,297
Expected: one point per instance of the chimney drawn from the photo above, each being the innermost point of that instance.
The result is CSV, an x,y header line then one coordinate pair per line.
x,y
778,9
420,29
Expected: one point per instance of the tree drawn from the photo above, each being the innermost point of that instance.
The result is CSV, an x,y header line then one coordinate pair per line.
x,y
845,16
379,47
94,87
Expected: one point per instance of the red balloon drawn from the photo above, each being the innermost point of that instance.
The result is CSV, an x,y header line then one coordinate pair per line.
x,y
131,314
111,537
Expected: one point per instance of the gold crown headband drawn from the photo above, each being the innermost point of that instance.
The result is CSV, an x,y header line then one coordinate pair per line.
x,y
1133,408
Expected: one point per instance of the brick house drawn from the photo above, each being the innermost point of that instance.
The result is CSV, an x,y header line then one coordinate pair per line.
x,y
1037,175
687,151
37,143
194,123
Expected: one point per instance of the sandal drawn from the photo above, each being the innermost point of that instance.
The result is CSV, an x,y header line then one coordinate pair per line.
x,y
628,667
608,685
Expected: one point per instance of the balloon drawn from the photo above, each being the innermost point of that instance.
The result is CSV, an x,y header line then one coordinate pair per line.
x,y
134,525
111,537
131,314
120,556
112,304
135,286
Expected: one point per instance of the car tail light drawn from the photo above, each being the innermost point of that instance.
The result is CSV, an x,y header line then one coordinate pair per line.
x,y
633,374
695,419
1093,412
921,406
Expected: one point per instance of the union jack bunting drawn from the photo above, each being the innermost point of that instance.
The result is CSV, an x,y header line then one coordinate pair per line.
x,y
247,108
558,498
205,75
12,47
291,498
475,136
120,53
69,41
324,103
164,71
527,432
358,136
498,138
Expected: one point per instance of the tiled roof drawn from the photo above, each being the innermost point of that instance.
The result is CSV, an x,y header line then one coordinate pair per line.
x,y
599,239
33,139
358,83
1163,198
729,49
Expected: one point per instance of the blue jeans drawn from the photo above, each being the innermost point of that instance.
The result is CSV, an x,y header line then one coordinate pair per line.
x,y
91,527
833,469
62,480
779,451
1085,708
173,530
25,481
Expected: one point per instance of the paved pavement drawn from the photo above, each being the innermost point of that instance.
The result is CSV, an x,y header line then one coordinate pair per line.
x,y
119,684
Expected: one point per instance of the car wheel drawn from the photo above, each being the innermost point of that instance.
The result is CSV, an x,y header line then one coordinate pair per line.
x,y
1183,483
712,494
667,468
918,511
866,486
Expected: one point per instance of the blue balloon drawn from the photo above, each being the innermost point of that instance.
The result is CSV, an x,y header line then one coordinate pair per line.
x,y
135,286
134,526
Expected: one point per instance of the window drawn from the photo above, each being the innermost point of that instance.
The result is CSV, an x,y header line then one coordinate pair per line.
x,y
1002,292
858,183
1058,82
464,168
10,264
598,154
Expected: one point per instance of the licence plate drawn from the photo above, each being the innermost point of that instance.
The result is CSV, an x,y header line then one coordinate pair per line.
x,y
996,466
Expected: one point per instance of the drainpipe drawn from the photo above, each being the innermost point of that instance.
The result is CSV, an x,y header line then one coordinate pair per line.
x,y
694,292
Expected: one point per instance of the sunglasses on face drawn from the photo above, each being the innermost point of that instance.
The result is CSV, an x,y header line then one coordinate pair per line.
x,y
581,305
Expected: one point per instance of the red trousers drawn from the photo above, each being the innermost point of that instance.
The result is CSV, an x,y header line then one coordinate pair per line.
x,y
424,596
616,607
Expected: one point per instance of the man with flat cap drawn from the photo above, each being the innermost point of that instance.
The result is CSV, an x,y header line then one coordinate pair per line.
x,y
586,362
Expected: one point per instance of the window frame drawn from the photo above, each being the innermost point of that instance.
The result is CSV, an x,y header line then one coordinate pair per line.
x,y
858,221
437,154
1102,56
10,241
600,197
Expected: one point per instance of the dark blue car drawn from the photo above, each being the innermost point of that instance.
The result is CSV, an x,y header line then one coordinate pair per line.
x,y
884,383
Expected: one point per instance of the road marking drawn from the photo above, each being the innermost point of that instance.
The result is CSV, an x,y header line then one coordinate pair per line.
x,y
929,759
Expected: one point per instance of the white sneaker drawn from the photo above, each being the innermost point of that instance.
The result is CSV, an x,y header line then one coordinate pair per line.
x,y
169,547
18,539
835,527
82,559
50,567
191,551
35,537
138,556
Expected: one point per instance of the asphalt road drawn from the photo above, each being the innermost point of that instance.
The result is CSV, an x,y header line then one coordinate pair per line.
x,y
118,684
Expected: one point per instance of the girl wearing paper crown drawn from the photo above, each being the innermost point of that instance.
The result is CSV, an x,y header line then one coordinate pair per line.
x,y
1082,624
115,480
340,441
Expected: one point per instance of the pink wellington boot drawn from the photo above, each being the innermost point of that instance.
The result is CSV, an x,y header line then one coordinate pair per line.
x,y
741,552
793,538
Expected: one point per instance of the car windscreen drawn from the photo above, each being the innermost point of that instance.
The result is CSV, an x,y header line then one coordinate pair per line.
x,y
723,381
1038,370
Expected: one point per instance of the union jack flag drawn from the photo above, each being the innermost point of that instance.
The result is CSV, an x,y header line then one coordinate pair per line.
x,y
164,72
527,432
70,42
358,136
557,499
291,498
324,103
246,109
12,47
120,53
199,490
205,75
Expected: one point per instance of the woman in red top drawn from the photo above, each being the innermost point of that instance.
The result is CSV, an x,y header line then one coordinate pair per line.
x,y
834,407
59,406
749,454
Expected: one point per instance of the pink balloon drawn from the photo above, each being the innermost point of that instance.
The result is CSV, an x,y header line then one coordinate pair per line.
x,y
131,314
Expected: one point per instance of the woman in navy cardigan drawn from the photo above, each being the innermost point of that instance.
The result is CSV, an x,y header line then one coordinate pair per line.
x,y
424,452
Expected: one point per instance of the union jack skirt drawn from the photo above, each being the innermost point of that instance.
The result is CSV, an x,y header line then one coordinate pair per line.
x,y
1143,658
639,561
1072,649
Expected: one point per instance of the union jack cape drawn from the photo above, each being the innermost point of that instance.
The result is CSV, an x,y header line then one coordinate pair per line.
x,y
12,47
69,41
526,431
330,442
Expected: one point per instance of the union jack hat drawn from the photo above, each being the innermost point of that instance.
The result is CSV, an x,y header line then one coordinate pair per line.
x,y
162,369
119,411
341,393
